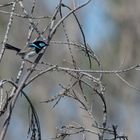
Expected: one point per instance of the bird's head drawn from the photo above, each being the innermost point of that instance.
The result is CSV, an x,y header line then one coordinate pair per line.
x,y
38,45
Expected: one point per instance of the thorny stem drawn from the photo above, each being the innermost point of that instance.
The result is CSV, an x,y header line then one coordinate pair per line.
x,y
7,30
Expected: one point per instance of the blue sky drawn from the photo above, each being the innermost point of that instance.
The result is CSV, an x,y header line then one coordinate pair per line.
x,y
97,27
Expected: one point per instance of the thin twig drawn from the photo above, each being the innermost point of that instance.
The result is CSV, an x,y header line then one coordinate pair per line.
x,y
7,30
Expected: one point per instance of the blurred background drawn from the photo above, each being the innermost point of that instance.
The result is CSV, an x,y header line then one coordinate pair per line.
x,y
112,29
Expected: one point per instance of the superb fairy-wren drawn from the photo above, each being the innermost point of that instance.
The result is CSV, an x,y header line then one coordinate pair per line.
x,y
36,45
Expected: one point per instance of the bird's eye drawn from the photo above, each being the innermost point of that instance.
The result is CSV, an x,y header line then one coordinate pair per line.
x,y
41,44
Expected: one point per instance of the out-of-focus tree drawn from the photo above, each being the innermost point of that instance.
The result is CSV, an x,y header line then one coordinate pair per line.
x,y
122,51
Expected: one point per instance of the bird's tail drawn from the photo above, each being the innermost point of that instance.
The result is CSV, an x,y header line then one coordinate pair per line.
x,y
8,46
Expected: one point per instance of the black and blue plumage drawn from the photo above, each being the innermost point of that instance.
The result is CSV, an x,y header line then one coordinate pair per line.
x,y
38,45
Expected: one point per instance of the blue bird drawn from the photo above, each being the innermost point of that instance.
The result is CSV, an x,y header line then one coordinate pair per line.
x,y
38,45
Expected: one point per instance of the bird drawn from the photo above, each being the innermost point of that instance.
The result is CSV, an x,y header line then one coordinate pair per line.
x,y
36,45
